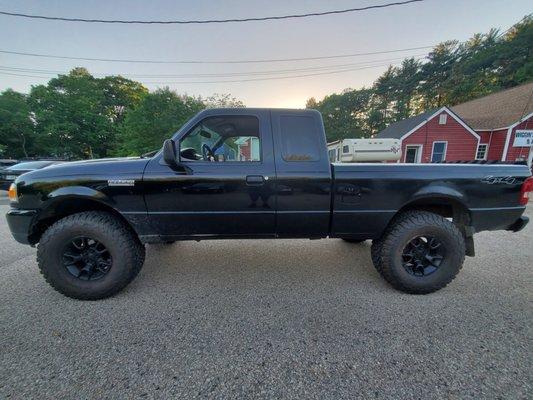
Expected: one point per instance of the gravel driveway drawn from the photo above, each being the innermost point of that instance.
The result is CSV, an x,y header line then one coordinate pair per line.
x,y
271,319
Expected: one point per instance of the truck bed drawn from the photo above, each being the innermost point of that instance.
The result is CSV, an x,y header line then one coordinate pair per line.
x,y
367,196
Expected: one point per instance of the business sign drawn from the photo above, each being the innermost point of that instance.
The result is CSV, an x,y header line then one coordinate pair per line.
x,y
523,138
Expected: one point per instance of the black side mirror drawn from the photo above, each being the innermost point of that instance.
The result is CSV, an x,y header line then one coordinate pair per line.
x,y
170,156
169,153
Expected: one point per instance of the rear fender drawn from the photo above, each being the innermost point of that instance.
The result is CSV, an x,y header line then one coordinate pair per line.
x,y
439,194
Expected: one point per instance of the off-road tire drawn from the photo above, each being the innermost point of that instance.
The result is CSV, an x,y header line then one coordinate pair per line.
x,y
375,253
386,252
126,250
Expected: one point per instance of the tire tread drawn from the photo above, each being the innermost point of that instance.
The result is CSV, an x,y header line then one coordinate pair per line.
x,y
381,248
121,233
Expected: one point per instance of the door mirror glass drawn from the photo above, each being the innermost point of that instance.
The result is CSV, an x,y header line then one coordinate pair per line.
x,y
169,153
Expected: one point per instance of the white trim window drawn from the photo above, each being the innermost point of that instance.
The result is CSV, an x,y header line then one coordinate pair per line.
x,y
345,149
438,152
413,154
443,118
482,151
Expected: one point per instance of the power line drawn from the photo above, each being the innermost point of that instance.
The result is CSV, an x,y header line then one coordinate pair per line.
x,y
211,75
209,21
276,77
232,81
214,61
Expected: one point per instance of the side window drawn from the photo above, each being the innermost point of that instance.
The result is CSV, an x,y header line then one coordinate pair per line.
x,y
481,153
299,138
232,138
345,149
439,152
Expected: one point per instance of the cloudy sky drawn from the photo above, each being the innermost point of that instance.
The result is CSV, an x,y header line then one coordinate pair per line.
x,y
415,25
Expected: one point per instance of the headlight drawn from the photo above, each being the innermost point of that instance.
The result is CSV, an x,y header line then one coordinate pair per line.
x,y
12,193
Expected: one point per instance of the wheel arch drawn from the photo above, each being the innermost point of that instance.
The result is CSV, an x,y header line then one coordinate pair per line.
x,y
63,203
448,204
442,199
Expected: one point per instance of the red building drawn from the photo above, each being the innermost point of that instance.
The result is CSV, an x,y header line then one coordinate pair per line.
x,y
481,129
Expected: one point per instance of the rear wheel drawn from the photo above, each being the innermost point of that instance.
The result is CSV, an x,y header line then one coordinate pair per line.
x,y
90,255
420,252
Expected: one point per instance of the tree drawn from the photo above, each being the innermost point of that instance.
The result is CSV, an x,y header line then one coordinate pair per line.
x,y
71,117
16,127
435,74
514,61
156,118
77,115
226,100
121,95
407,84
343,113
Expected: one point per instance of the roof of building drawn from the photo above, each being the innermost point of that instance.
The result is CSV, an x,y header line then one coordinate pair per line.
x,y
397,129
497,110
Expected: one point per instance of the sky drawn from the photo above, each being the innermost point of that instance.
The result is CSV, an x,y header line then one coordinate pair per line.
x,y
414,25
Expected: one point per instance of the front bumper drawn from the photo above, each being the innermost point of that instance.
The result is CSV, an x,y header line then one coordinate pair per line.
x,y
519,224
20,224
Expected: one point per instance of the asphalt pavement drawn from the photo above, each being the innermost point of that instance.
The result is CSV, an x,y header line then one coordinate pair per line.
x,y
271,319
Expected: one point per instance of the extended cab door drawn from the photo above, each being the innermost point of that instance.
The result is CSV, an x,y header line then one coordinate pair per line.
x,y
303,174
227,186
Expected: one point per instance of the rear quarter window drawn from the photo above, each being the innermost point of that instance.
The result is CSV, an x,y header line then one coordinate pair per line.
x,y
299,138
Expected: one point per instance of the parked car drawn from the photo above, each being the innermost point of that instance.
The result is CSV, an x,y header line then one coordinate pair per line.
x,y
9,174
258,173
7,162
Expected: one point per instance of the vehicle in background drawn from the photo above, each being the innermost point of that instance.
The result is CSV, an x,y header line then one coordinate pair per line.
x,y
9,174
365,150
7,162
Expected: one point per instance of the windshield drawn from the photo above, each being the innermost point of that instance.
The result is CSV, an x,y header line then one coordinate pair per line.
x,y
30,165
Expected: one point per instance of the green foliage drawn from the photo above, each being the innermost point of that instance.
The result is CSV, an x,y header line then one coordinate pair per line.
x,y
156,118
452,73
223,100
344,114
16,127
77,115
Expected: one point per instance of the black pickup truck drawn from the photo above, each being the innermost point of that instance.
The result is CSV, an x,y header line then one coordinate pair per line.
x,y
258,173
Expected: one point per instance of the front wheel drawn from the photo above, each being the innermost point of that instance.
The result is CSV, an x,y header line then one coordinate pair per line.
x,y
90,255
420,252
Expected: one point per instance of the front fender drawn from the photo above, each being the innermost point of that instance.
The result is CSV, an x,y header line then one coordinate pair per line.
x,y
54,200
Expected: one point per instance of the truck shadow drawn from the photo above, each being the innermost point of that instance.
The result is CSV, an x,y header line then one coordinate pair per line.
x,y
259,265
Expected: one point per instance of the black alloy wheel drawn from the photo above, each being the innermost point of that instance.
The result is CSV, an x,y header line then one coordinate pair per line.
x,y
423,255
86,258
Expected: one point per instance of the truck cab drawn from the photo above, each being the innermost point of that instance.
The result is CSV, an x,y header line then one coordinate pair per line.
x,y
224,178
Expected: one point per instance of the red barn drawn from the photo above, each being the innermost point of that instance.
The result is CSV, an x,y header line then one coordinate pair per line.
x,y
481,129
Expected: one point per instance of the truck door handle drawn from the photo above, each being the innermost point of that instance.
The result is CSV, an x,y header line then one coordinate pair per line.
x,y
255,180
351,190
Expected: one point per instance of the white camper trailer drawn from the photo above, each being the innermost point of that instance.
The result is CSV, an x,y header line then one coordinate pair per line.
x,y
365,150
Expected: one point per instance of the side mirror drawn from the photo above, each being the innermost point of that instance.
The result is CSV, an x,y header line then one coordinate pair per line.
x,y
170,157
169,153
